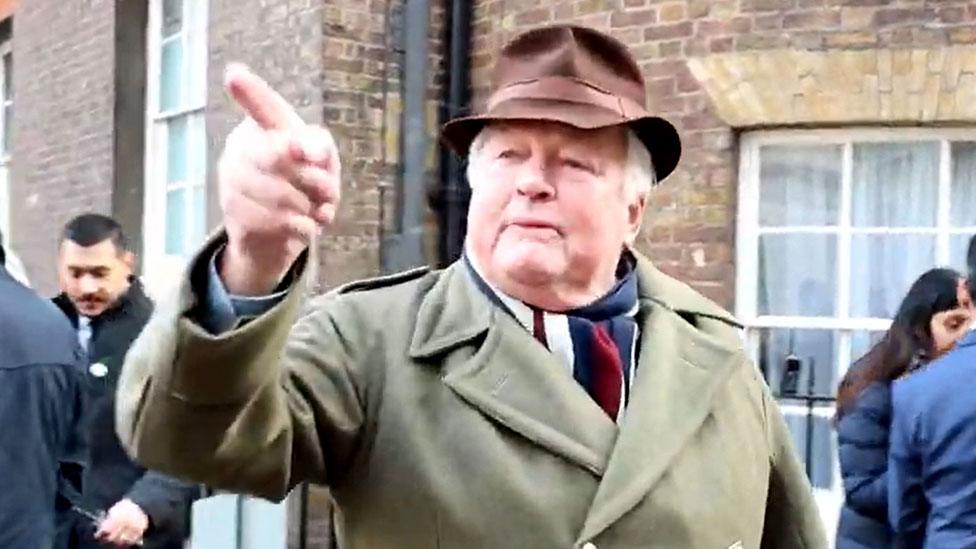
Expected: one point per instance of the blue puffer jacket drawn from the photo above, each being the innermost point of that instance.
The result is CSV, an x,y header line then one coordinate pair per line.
x,y
863,445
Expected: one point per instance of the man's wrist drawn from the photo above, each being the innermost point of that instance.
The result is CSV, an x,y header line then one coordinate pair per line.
x,y
244,275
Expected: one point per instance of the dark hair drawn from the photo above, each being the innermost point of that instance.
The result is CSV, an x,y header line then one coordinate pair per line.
x,y
3,253
971,263
90,229
908,338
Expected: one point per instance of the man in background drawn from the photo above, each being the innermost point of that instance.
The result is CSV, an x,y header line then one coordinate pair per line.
x,y
39,406
932,456
108,308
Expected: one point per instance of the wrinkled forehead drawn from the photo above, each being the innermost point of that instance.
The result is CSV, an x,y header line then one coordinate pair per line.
x,y
556,135
104,254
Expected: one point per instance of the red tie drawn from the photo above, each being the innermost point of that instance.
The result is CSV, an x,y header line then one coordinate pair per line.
x,y
608,371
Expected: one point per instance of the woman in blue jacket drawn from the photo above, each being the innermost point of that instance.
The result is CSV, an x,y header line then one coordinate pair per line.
x,y
928,323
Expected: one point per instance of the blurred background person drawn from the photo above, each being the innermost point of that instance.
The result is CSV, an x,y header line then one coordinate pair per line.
x,y
108,307
39,406
927,324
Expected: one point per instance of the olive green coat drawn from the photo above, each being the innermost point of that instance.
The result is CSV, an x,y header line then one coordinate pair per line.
x,y
439,422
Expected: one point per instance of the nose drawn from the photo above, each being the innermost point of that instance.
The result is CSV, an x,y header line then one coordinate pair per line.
x,y
87,284
531,182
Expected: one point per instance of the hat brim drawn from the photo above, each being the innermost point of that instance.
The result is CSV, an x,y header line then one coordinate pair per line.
x,y
657,134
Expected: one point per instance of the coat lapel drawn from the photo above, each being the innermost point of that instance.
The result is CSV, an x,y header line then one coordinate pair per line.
x,y
680,370
502,371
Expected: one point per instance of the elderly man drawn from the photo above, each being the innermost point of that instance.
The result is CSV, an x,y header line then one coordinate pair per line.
x,y
551,389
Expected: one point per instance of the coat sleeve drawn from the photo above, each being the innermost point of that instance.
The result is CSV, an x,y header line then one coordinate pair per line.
x,y
164,499
907,507
863,451
792,518
257,409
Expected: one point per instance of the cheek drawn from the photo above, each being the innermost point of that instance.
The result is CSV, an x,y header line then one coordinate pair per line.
x,y
485,214
599,220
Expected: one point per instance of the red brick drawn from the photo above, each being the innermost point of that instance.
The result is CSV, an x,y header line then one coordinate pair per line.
x,y
901,16
701,121
955,14
633,18
721,45
768,22
672,12
661,87
812,19
669,31
671,49
533,17
767,5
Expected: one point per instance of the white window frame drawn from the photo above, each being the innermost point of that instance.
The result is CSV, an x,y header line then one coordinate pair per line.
x,y
5,101
159,266
748,231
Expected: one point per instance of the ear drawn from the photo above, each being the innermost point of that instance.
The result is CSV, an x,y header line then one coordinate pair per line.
x,y
635,217
963,295
129,259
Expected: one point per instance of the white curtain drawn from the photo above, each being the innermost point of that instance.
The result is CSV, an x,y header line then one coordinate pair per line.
x,y
893,185
799,186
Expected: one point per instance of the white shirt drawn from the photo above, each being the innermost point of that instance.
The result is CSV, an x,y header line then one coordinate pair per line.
x,y
84,331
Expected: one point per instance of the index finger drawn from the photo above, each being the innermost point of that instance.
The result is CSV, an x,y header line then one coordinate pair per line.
x,y
261,102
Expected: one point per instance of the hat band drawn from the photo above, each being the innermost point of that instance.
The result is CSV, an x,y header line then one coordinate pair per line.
x,y
574,90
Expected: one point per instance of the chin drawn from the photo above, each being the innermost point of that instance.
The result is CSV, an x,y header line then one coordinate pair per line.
x,y
528,264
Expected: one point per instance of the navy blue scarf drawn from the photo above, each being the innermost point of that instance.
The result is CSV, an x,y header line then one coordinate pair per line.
x,y
614,313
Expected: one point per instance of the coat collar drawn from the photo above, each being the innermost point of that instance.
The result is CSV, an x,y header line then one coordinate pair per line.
x,y
132,300
444,323
686,355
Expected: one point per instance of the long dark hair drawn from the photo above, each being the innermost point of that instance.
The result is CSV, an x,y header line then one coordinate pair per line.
x,y
908,339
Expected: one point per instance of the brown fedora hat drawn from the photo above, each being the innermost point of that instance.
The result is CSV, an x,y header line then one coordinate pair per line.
x,y
574,75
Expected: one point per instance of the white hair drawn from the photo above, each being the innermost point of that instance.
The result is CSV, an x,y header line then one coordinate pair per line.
x,y
639,174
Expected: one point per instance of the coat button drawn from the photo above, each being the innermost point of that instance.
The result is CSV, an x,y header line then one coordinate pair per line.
x,y
590,545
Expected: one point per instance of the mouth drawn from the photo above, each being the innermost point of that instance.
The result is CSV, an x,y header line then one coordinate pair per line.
x,y
533,225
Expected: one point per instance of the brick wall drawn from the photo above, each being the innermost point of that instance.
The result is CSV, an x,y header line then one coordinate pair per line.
x,y
689,227
63,124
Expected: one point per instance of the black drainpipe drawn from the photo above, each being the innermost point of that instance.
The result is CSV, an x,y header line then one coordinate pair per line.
x,y
404,249
454,194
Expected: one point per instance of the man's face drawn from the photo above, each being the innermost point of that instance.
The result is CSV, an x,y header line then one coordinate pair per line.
x,y
549,206
94,277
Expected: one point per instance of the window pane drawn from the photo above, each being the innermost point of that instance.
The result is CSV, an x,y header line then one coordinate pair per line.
x,y
963,201
883,267
176,151
895,184
172,16
171,76
797,274
958,246
823,446
799,185
861,343
175,222
816,350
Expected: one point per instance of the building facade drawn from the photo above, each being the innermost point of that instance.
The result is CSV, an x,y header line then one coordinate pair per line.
x,y
829,147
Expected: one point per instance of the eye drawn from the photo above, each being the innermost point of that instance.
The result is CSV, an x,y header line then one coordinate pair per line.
x,y
509,154
575,164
